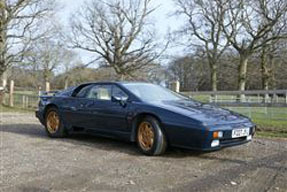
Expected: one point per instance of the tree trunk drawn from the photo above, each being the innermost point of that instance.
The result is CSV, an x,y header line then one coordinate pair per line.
x,y
46,80
265,73
47,86
4,79
213,77
272,75
3,66
213,80
66,83
46,76
242,74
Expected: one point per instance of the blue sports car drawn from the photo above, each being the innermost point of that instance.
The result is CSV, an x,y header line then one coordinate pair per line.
x,y
148,114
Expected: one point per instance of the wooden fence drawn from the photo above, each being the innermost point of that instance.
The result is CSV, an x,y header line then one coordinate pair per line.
x,y
251,98
25,98
272,98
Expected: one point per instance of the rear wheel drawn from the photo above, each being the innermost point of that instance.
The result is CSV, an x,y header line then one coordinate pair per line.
x,y
54,125
150,138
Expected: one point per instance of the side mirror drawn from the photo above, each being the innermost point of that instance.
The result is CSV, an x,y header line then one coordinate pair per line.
x,y
120,98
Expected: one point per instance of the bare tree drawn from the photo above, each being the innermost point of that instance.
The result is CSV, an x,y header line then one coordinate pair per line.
x,y
117,33
18,24
267,63
47,54
204,20
190,70
69,61
247,25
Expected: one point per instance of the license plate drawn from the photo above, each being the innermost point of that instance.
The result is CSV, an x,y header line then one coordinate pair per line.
x,y
240,132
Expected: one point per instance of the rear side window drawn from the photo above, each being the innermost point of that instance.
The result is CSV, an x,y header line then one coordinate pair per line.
x,y
83,92
66,93
100,92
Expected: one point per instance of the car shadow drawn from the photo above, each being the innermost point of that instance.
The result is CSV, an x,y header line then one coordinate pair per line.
x,y
38,131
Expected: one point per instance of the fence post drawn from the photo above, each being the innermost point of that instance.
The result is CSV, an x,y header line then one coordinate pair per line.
x,y
11,92
277,98
47,86
175,86
39,90
266,98
23,101
27,102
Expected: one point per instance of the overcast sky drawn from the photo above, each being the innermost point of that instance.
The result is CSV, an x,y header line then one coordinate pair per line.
x,y
163,22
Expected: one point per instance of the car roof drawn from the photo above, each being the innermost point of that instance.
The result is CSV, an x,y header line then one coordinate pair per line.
x,y
116,82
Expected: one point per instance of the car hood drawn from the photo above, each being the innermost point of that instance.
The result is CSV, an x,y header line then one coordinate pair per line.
x,y
205,113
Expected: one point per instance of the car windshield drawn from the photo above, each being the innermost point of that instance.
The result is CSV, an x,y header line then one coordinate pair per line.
x,y
151,92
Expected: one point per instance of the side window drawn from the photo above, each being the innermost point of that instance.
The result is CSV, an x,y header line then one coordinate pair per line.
x,y
83,92
118,92
100,92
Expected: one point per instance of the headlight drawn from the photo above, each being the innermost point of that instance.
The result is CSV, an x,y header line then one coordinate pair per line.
x,y
217,134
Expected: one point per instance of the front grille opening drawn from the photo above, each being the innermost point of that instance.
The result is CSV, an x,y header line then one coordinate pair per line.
x,y
232,140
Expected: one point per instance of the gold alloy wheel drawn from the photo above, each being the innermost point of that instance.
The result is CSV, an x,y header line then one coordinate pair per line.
x,y
53,122
145,136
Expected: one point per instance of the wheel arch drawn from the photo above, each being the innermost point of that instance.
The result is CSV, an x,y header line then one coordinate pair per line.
x,y
137,119
51,105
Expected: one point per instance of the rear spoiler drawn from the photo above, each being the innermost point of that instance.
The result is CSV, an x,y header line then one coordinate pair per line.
x,y
48,93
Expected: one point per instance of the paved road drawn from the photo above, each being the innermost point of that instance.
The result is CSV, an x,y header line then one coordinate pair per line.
x,y
30,161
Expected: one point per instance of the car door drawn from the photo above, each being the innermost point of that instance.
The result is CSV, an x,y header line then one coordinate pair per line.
x,y
77,109
115,114
107,115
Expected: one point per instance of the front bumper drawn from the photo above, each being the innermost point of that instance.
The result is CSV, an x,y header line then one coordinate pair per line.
x,y
200,138
228,141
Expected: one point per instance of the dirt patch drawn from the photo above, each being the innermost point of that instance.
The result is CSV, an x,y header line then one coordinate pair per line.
x,y
30,161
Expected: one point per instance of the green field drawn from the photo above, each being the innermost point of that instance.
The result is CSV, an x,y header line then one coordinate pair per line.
x,y
34,93
270,121
5,109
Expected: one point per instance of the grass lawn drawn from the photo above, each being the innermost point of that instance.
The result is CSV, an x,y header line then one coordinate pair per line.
x,y
34,93
271,121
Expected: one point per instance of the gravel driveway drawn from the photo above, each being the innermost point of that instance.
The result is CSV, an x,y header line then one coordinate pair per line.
x,y
30,161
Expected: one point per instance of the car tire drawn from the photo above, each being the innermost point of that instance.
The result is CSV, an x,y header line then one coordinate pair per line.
x,y
53,123
150,137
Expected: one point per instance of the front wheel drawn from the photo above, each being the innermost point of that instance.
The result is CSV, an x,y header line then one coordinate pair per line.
x,y
150,138
54,125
